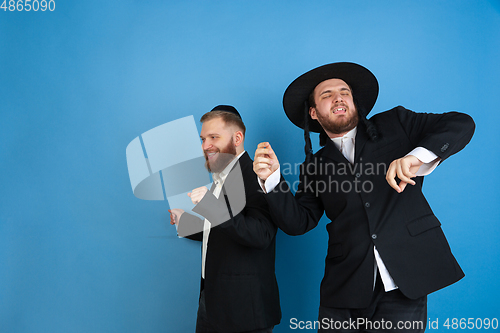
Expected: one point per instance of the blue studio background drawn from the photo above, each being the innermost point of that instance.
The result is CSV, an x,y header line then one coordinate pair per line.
x,y
79,253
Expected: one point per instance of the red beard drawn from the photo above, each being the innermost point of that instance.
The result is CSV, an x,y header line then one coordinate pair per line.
x,y
223,158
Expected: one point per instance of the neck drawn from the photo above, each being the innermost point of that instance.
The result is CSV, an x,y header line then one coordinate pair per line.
x,y
334,135
239,150
338,135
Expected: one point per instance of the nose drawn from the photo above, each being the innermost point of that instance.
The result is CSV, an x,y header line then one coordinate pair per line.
x,y
338,98
206,145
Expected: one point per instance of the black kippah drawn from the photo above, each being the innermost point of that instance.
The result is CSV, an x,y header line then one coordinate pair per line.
x,y
227,108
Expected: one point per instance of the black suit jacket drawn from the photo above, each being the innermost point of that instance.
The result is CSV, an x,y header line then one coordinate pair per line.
x,y
241,292
365,211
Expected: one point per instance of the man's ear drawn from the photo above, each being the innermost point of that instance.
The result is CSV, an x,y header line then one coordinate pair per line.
x,y
238,138
312,113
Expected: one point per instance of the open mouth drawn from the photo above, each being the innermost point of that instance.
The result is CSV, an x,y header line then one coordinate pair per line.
x,y
339,110
211,155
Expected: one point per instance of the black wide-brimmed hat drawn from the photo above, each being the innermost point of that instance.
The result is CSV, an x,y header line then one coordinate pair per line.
x,y
363,83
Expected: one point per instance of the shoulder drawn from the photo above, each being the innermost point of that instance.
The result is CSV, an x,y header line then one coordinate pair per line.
x,y
245,163
319,154
390,114
318,157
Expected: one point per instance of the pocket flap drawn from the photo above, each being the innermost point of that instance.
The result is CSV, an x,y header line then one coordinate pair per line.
x,y
422,224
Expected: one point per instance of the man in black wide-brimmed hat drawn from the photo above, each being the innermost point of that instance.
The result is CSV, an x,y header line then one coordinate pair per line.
x,y
386,249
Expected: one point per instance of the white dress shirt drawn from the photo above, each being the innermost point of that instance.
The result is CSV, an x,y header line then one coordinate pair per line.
x,y
219,179
346,145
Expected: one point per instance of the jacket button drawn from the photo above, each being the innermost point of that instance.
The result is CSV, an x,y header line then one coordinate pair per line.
x,y
374,236
358,175
367,204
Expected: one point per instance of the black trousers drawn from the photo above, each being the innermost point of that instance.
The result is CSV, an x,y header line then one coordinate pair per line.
x,y
388,312
204,326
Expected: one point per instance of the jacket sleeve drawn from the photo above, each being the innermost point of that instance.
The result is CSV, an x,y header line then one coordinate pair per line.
x,y
241,211
298,214
443,134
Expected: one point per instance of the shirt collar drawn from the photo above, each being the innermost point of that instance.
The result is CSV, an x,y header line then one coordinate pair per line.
x,y
351,134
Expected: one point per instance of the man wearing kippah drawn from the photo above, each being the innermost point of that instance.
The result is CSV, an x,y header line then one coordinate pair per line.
x,y
386,249
239,292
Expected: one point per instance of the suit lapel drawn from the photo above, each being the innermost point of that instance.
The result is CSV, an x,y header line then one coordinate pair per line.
x,y
331,152
360,141
334,154
238,164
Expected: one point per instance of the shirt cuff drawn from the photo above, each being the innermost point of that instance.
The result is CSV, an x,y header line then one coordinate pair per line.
x,y
271,181
430,160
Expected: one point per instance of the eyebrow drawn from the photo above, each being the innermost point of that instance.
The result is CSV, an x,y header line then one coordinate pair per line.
x,y
210,134
341,89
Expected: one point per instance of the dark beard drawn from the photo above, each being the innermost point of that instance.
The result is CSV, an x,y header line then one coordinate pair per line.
x,y
224,157
340,127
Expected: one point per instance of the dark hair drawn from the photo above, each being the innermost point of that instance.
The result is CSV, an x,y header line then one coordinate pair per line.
x,y
311,101
371,129
228,118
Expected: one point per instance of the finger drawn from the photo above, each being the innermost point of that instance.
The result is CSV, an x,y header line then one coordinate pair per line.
x,y
402,179
260,148
391,177
407,178
198,194
261,152
193,197
392,183
198,189
262,166
263,176
270,152
402,186
201,189
264,163
172,217
263,173
402,173
406,166
265,148
413,165
196,197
